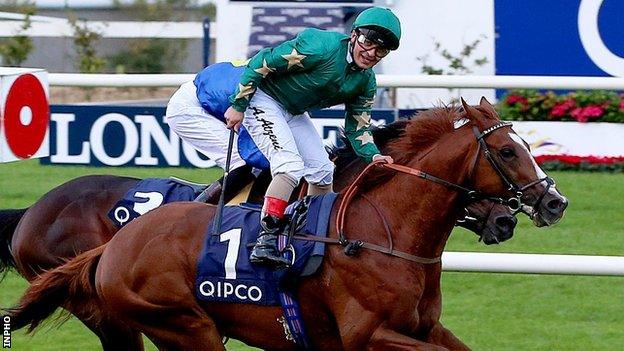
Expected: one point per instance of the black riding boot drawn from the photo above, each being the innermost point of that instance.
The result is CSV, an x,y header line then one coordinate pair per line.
x,y
265,251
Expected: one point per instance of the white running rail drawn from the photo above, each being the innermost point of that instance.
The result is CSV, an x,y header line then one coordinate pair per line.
x,y
383,80
532,263
45,26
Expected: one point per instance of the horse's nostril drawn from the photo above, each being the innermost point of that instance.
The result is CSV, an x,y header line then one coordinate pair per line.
x,y
556,204
506,222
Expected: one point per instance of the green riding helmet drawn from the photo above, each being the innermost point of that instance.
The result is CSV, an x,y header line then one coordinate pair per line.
x,y
380,25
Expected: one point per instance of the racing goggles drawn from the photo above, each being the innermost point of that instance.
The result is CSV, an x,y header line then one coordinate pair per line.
x,y
369,39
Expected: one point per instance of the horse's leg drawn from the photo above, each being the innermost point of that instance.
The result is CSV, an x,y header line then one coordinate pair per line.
x,y
183,332
114,336
444,337
361,330
178,323
175,322
173,319
386,339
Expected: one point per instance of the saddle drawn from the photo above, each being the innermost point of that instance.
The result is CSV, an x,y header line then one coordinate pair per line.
x,y
224,271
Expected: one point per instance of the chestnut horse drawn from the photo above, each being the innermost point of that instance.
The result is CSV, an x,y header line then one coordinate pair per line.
x,y
49,234
145,275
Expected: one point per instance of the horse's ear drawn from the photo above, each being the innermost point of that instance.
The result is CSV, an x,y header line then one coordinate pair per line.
x,y
471,112
486,106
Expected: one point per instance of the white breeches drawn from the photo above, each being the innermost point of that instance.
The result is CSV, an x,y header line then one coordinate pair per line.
x,y
201,130
290,142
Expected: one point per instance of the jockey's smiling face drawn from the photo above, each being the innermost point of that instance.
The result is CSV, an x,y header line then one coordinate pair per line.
x,y
366,53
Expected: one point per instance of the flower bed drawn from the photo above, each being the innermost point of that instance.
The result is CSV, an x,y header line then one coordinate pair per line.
x,y
580,163
579,106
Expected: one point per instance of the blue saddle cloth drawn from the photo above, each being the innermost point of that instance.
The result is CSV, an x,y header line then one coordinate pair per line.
x,y
224,273
148,194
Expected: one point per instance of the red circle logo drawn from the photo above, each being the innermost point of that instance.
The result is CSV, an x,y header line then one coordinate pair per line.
x,y
26,116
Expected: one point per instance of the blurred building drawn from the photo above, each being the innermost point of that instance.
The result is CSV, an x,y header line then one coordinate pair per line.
x,y
532,37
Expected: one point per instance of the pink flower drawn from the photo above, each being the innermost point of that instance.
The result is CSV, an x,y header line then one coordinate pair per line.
x,y
584,114
560,109
513,99
594,111
622,104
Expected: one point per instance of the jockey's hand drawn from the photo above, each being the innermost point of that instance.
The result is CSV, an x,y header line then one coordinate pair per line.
x,y
233,118
386,159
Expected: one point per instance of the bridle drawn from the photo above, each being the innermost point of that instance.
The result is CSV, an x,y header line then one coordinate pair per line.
x,y
514,202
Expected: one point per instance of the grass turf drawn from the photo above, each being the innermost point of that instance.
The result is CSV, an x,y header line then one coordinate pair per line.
x,y
487,311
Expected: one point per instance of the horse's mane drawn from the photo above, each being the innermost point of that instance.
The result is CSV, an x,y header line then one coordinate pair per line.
x,y
403,139
344,156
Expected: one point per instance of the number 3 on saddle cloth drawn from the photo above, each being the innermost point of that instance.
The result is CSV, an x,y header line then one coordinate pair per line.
x,y
224,273
150,193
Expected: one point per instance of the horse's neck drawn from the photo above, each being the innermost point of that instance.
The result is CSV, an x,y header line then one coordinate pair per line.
x,y
421,214
421,217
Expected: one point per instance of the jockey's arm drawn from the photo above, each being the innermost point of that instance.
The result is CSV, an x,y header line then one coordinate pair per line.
x,y
357,122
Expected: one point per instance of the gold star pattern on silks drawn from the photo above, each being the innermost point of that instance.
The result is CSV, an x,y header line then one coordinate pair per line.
x,y
365,138
244,91
369,103
264,70
363,120
294,59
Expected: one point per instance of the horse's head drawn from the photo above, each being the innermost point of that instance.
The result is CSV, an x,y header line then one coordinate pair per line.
x,y
483,158
491,221
504,167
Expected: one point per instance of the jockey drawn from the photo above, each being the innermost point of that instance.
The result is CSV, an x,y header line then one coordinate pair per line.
x,y
195,113
314,70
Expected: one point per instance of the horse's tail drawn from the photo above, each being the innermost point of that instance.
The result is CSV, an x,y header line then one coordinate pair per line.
x,y
8,222
70,285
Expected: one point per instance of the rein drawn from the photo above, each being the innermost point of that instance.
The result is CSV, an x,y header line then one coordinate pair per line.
x,y
353,246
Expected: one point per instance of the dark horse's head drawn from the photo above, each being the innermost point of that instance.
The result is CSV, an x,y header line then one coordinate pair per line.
x,y
492,222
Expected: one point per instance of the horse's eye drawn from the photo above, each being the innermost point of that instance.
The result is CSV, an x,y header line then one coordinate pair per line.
x,y
507,153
